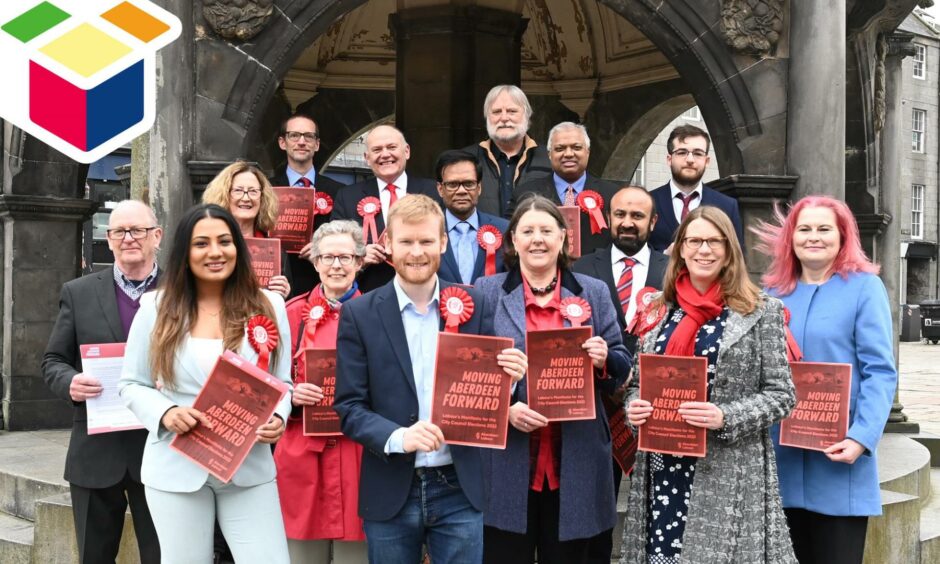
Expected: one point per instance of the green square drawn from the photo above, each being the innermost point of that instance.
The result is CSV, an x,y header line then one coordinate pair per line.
x,y
35,22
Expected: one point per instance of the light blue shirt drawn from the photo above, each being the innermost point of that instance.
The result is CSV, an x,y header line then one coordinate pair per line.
x,y
421,332
453,235
561,186
293,177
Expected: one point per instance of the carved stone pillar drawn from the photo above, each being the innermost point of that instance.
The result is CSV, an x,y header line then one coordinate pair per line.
x,y
816,98
447,58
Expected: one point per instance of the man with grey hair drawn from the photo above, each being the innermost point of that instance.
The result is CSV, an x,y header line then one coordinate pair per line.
x,y
509,156
103,470
569,149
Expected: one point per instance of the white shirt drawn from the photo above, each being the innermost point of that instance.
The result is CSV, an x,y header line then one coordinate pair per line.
x,y
640,269
401,188
677,203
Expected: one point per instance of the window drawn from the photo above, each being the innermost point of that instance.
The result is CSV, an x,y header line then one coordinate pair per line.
x,y
917,211
920,61
692,114
919,119
639,175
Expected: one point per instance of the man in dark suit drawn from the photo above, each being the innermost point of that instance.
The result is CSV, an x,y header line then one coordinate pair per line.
x,y
414,488
299,138
626,266
458,183
687,158
569,149
387,154
103,470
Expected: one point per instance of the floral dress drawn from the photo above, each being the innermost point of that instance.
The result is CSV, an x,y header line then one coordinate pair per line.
x,y
671,477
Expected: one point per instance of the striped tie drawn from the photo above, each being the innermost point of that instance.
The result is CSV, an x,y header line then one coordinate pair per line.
x,y
625,284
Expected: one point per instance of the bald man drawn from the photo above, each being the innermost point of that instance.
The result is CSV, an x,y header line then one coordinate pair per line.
x,y
387,153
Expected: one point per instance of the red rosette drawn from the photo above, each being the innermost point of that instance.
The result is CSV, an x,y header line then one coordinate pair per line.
x,y
647,314
794,354
592,204
368,208
489,239
456,307
322,204
263,337
314,313
576,310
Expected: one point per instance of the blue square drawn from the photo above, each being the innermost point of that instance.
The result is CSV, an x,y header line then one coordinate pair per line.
x,y
115,105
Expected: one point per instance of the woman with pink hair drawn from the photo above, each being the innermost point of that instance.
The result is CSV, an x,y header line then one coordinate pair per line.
x,y
839,313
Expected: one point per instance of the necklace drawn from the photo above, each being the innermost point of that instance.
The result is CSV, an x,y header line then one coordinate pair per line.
x,y
546,289
207,312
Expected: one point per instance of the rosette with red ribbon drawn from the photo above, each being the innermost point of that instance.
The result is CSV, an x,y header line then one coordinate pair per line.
x,y
576,310
456,307
647,315
314,313
592,204
368,208
794,354
262,336
323,204
490,239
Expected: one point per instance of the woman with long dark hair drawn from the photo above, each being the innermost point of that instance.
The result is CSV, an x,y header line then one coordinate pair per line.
x,y
208,293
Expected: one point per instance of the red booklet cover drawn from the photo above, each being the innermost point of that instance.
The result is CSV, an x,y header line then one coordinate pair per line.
x,y
320,370
238,397
821,416
560,382
623,441
572,215
471,391
265,258
667,382
295,217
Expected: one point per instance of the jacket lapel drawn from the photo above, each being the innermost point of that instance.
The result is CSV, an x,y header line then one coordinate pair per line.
x,y
514,308
657,270
108,301
449,261
391,319
736,326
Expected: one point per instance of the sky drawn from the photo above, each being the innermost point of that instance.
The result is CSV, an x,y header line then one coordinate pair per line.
x,y
935,10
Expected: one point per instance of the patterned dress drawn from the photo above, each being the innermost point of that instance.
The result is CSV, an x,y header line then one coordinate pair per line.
x,y
671,477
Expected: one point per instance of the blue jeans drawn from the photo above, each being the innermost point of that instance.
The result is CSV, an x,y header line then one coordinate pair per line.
x,y
438,514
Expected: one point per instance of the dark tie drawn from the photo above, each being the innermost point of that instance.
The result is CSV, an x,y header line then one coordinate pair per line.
x,y
305,182
392,195
625,284
686,200
569,196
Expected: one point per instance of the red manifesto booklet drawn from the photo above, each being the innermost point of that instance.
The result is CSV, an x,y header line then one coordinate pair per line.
x,y
294,218
265,258
560,381
667,382
821,416
320,370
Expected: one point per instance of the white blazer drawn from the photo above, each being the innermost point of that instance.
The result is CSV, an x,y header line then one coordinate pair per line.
x,y
164,468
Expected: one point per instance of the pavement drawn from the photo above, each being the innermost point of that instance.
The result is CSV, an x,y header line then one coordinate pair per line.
x,y
919,384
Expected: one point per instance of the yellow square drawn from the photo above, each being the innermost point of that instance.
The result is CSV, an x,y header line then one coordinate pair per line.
x,y
85,50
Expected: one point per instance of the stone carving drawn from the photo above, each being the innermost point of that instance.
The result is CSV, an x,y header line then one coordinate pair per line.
x,y
237,19
881,51
752,26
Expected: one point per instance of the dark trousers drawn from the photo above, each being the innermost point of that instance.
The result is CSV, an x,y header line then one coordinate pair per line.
x,y
824,539
601,545
99,522
504,547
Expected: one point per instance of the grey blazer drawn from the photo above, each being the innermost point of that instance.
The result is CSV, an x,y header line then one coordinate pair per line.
x,y
735,514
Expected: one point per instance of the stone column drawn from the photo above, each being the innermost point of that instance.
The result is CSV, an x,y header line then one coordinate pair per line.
x,y
816,98
448,57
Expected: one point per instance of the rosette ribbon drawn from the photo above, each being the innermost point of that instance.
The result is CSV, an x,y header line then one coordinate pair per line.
x,y
794,354
647,315
368,208
262,336
489,239
314,313
576,310
456,307
592,204
322,204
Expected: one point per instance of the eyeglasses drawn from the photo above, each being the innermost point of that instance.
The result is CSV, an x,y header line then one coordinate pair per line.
x,y
239,193
136,233
295,136
698,154
330,260
695,243
454,185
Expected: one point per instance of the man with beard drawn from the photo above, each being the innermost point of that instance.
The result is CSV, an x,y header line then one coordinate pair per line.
x,y
387,153
687,158
414,488
626,266
509,157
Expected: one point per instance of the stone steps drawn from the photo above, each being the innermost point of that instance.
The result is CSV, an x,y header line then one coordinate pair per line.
x,y
16,540
930,522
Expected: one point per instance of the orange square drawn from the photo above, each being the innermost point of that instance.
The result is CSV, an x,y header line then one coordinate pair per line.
x,y
136,22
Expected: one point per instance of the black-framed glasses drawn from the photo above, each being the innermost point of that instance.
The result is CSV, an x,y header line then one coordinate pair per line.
x,y
695,243
454,185
136,233
330,260
239,193
295,136
697,154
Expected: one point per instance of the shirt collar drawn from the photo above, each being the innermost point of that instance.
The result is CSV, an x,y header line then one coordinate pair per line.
x,y
641,257
293,176
400,182
499,154
675,190
555,302
404,301
452,220
561,184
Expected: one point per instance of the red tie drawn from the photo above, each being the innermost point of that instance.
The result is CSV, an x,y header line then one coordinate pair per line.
x,y
625,284
685,203
569,196
306,182
392,195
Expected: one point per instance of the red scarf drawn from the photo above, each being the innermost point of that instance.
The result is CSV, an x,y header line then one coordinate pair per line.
x,y
698,309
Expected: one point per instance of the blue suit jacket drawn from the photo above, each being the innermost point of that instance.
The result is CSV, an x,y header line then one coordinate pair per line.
x,y
587,484
375,395
449,270
666,225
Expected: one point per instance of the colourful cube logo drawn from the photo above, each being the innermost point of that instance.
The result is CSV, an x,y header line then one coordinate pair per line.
x,y
88,68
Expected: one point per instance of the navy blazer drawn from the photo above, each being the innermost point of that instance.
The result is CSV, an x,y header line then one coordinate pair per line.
x,y
587,483
375,395
344,207
666,224
450,271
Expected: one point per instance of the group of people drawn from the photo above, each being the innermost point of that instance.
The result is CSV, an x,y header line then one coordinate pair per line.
x,y
391,489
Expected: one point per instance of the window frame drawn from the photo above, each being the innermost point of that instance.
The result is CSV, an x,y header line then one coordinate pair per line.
x,y
918,192
919,63
918,135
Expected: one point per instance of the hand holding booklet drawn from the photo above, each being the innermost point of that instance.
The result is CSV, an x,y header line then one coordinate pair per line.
x,y
667,382
821,416
106,412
